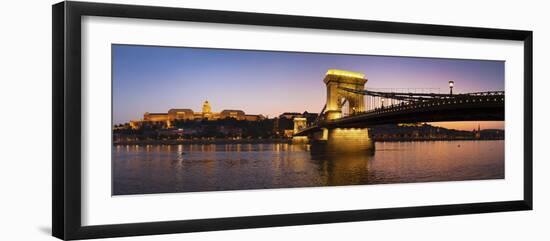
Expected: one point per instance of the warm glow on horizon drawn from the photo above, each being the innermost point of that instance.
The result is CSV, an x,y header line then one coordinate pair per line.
x,y
470,125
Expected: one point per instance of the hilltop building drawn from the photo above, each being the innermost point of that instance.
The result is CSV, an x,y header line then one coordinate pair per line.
x,y
188,114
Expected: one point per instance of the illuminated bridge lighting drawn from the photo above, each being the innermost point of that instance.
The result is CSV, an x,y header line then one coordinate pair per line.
x,y
345,73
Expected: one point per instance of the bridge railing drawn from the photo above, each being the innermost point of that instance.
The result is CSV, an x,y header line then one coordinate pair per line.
x,y
472,98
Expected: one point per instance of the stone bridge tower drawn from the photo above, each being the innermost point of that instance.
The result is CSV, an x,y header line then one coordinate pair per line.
x,y
300,123
336,97
345,139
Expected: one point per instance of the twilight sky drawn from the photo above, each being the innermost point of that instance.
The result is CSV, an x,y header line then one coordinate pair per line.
x,y
155,79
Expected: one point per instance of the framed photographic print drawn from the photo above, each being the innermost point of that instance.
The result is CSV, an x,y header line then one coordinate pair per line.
x,y
171,120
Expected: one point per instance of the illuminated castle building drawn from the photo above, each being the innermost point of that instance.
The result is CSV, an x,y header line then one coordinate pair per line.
x,y
188,114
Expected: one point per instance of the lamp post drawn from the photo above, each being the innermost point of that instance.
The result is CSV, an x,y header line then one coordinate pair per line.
x,y
382,99
451,85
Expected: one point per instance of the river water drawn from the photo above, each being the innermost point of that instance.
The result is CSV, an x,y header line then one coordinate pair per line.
x,y
213,167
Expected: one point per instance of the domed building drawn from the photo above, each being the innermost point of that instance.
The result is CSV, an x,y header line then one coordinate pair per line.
x,y
206,107
188,114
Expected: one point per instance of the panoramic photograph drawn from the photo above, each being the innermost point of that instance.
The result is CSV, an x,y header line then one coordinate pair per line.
x,y
188,119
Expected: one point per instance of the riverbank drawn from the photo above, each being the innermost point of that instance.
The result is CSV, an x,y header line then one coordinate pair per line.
x,y
273,141
202,142
435,139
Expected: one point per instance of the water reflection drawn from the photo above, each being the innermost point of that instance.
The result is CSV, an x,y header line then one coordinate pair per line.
x,y
210,167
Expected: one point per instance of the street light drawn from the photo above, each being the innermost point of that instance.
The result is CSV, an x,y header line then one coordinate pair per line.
x,y
451,85
382,99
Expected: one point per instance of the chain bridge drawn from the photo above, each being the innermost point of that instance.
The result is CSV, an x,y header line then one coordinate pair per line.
x,y
351,109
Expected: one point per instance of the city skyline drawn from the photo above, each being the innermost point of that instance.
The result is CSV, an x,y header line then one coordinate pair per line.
x,y
155,79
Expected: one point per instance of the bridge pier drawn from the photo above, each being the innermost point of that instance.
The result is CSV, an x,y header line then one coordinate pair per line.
x,y
300,140
347,140
321,135
341,140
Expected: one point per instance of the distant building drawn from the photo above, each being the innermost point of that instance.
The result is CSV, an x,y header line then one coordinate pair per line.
x,y
155,116
290,115
235,114
188,114
285,125
310,117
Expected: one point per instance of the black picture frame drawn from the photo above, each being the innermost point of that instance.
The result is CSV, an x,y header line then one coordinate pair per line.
x,y
66,159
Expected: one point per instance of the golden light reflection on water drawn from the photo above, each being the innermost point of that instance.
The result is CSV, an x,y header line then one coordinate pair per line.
x,y
186,168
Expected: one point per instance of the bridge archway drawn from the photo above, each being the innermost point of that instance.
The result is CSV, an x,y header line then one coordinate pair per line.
x,y
336,97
